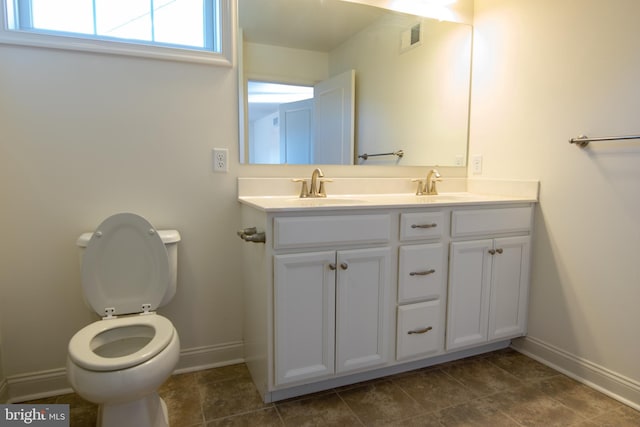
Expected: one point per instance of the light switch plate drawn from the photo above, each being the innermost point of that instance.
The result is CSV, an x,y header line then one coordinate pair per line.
x,y
476,164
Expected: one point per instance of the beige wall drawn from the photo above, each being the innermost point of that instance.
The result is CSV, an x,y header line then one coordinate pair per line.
x,y
546,71
84,136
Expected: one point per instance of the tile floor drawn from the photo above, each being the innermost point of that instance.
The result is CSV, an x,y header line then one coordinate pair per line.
x,y
503,388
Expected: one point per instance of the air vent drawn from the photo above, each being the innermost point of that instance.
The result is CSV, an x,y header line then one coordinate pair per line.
x,y
411,37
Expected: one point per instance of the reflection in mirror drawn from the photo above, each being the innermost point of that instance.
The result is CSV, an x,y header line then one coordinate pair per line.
x,y
403,84
266,101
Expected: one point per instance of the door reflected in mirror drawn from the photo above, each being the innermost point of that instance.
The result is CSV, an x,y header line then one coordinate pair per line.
x,y
291,124
383,82
265,101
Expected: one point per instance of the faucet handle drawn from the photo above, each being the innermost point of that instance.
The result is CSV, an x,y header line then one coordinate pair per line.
x,y
420,190
304,190
321,190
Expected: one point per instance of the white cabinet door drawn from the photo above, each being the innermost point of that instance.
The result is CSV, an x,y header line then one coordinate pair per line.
x,y
304,316
509,287
469,287
362,307
488,290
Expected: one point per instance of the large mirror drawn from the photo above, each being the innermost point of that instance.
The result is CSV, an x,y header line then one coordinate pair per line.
x,y
337,82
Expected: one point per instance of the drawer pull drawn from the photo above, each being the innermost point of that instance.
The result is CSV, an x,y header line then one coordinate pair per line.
x,y
492,251
344,266
499,250
422,273
420,331
424,225
332,267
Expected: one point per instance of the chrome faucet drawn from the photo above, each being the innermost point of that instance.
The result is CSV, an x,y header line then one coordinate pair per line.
x,y
433,177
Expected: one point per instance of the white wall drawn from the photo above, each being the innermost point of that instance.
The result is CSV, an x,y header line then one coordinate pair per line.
x,y
284,65
545,71
83,136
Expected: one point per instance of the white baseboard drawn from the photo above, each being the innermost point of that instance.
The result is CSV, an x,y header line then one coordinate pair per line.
x,y
39,385
614,385
213,356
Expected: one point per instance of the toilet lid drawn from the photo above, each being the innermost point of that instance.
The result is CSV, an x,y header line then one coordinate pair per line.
x,y
125,266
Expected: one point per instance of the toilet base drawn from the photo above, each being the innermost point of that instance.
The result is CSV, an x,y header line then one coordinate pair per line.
x,y
149,411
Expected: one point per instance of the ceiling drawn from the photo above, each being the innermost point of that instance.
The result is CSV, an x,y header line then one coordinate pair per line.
x,y
319,25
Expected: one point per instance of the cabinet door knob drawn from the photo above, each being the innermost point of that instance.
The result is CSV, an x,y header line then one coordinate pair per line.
x,y
422,273
344,266
424,225
332,266
492,251
499,250
420,330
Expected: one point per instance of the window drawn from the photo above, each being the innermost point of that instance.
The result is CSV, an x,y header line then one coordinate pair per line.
x,y
197,30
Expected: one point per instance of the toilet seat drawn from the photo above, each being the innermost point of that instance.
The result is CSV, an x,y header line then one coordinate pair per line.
x,y
125,266
83,355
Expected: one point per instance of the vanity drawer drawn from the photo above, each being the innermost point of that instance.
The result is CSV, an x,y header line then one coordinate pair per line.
x,y
299,232
490,221
421,272
420,330
421,225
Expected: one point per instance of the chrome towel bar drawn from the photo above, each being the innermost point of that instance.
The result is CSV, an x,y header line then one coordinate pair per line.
x,y
584,140
398,153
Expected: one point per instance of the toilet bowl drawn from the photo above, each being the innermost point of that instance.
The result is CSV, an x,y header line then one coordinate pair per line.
x,y
119,362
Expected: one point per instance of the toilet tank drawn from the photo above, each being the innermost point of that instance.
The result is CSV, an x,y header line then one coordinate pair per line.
x,y
170,238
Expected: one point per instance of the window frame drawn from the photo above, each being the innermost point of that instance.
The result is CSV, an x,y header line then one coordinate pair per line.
x,y
103,45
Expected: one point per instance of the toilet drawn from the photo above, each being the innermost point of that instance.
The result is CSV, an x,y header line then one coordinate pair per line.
x,y
129,269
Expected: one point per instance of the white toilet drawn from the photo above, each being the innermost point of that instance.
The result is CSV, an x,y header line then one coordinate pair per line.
x,y
129,269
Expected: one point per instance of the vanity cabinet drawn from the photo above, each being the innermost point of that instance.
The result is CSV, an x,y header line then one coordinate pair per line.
x,y
330,309
489,277
330,306
340,295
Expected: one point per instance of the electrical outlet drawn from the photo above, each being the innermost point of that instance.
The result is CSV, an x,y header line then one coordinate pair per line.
x,y
220,157
476,164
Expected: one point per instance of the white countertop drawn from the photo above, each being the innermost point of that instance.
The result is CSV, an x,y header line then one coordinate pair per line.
x,y
369,201
370,193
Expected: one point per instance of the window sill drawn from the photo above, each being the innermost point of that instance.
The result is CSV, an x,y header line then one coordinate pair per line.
x,y
19,38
